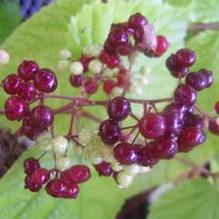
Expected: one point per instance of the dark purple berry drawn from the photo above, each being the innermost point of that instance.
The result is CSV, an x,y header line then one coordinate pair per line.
x,y
30,165
76,80
185,57
57,188
125,153
162,46
27,91
40,176
152,126
109,132
11,84
208,75
31,185
104,169
119,108
27,70
213,127
197,81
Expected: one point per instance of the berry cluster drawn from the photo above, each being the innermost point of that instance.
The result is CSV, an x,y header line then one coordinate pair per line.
x,y
103,65
26,87
114,148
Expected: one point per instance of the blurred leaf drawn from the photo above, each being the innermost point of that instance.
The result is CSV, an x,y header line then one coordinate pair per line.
x,y
9,18
98,198
196,199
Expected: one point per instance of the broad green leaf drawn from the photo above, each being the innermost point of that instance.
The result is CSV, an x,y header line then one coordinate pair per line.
x,y
9,18
196,199
98,198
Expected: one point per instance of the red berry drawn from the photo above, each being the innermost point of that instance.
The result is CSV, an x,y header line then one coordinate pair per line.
x,y
40,176
91,86
125,153
108,86
104,169
30,165
176,70
45,80
41,117
185,95
15,108
216,107
109,132
193,120
11,84
145,157
27,91
162,46
126,49
119,108
164,148
85,60
31,185
104,57
27,70
57,188
28,130
122,78
189,138
185,57
113,62
76,174
213,127
137,21
76,80
152,126
72,191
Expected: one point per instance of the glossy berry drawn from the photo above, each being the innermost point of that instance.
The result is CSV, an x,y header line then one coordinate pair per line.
x,y
176,70
30,165
196,80
41,117
72,191
185,57
108,86
27,70
185,95
104,169
216,107
113,61
145,156
208,75
76,174
45,80
164,148
109,132
27,91
56,188
122,78
189,138
162,46
40,176
76,80
119,108
15,108
28,129
91,86
193,120
31,185
173,123
126,49
152,126
11,84
213,127
118,36
137,21
176,108
125,153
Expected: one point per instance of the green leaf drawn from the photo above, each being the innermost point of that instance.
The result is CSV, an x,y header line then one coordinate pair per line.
x,y
9,18
196,199
98,198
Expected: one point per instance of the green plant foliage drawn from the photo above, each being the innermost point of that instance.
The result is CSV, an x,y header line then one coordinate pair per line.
x,y
196,199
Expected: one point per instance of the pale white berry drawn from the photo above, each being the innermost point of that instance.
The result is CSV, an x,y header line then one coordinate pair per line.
x,y
124,180
108,155
95,66
92,50
63,65
132,170
95,158
63,163
116,166
65,54
116,91
110,72
85,136
4,57
59,144
76,68
144,170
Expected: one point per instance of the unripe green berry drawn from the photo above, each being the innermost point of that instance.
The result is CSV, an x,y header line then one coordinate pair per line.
x,y
4,57
63,163
95,66
132,170
63,65
124,180
116,166
65,54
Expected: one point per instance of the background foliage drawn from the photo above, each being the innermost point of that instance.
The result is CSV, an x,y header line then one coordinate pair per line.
x,y
74,24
